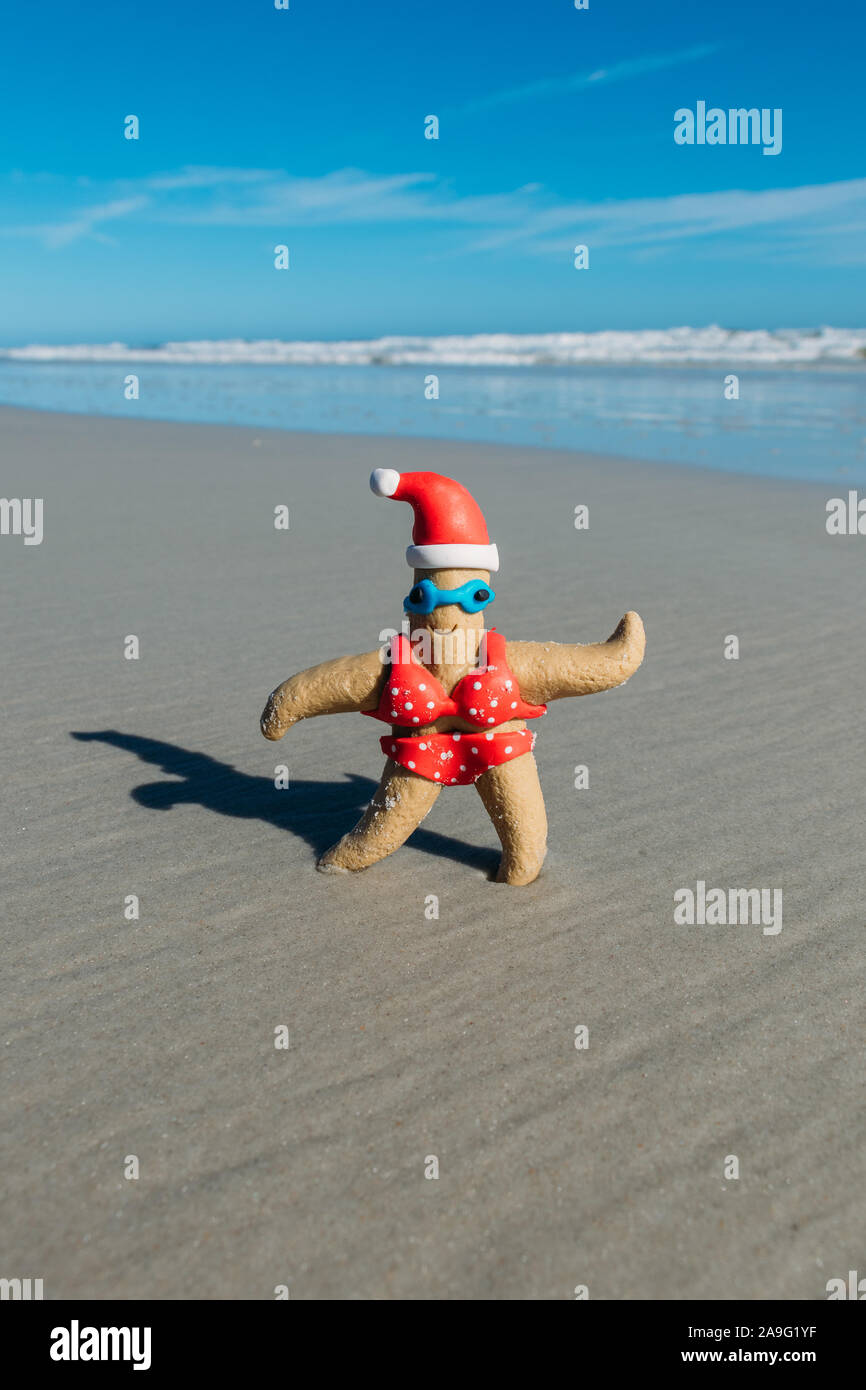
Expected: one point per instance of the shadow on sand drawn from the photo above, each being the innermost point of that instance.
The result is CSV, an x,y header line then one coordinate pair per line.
x,y
319,812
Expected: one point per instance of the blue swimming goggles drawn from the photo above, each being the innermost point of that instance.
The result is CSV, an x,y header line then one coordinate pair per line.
x,y
471,596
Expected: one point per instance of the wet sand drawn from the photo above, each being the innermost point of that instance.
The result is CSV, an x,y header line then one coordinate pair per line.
x,y
412,1037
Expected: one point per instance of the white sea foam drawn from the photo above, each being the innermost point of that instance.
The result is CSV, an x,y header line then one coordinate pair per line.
x,y
779,347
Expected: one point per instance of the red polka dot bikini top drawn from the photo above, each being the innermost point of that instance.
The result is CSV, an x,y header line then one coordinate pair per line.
x,y
485,697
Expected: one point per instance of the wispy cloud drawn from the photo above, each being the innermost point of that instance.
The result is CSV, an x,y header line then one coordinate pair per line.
x,y
86,222
205,176
822,220
210,197
811,208
582,81
345,195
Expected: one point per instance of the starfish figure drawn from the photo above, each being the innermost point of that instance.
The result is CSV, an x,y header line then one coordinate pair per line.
x,y
455,695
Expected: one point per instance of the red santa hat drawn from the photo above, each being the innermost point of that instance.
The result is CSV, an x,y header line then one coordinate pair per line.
x,y
449,531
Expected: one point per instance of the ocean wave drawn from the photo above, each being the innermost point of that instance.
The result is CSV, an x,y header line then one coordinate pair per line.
x,y
758,347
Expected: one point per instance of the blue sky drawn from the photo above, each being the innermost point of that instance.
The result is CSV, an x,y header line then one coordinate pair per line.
x,y
306,127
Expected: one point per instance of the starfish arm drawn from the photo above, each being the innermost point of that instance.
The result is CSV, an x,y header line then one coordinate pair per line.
x,y
548,671
342,686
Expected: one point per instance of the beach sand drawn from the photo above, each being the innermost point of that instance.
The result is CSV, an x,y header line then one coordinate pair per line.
x,y
412,1037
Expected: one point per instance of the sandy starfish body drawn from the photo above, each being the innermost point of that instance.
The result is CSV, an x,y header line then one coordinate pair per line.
x,y
511,792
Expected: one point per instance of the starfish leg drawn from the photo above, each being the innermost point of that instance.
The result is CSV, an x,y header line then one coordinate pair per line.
x,y
512,798
401,802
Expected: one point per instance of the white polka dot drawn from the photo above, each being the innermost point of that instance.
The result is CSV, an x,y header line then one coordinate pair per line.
x,y
393,748
437,774
394,714
509,749
514,704
412,765
488,737
415,719
491,720
473,711
453,779
443,757
508,685
474,750
462,767
456,738
408,704
493,704
430,704
422,687
476,685
423,746
395,690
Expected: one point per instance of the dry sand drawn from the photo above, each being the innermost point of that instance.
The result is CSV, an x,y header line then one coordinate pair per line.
x,y
413,1037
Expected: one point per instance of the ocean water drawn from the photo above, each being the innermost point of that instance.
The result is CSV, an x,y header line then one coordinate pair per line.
x,y
801,411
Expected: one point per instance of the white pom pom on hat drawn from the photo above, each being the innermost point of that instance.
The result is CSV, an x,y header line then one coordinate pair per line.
x,y
450,531
384,481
